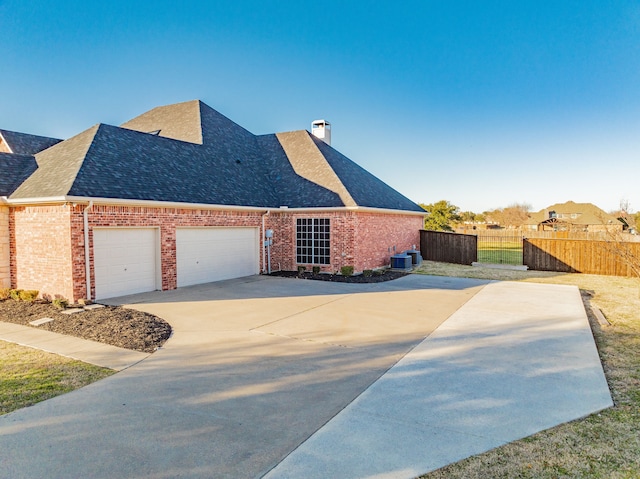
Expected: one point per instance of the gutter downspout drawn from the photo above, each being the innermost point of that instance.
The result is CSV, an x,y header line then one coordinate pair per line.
x,y
87,265
262,240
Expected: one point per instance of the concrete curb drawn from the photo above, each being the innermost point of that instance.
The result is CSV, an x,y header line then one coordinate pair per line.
x,y
91,352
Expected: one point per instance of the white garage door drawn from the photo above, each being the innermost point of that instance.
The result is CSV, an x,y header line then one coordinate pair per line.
x,y
125,261
204,255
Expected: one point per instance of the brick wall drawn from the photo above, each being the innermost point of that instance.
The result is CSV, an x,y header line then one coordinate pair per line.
x,y
363,240
47,242
40,241
283,252
5,259
377,235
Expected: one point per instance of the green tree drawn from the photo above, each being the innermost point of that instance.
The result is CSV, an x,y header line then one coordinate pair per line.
x,y
471,217
441,216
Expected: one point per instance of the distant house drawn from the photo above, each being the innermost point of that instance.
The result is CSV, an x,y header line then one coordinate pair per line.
x,y
575,217
182,195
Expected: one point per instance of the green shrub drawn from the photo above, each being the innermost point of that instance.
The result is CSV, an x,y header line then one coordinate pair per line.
x,y
301,269
5,293
15,294
367,273
316,269
346,270
29,295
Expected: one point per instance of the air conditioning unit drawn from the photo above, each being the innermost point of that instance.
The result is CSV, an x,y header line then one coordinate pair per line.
x,y
401,262
416,257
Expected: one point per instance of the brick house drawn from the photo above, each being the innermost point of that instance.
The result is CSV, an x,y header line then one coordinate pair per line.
x,y
573,217
182,195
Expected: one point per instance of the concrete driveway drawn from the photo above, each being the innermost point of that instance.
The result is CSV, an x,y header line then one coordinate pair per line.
x,y
254,368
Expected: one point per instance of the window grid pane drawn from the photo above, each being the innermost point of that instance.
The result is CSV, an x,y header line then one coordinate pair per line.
x,y
313,236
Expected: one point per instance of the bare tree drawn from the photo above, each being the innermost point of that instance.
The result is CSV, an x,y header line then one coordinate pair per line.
x,y
621,243
513,216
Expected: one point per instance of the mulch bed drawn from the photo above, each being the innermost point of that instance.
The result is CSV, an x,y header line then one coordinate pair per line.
x,y
377,277
122,327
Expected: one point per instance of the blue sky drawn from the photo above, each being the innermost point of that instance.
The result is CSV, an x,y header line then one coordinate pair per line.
x,y
481,103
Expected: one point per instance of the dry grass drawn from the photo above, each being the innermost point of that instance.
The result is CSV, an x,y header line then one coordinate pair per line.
x,y
28,376
603,445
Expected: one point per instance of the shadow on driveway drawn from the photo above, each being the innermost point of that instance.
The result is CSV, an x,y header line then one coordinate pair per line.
x,y
254,367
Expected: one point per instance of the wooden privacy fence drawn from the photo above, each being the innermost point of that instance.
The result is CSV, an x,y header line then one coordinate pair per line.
x,y
580,256
448,247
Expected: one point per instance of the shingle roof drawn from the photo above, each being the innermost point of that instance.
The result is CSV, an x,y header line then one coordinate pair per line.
x,y
365,188
292,190
180,122
584,214
308,162
15,169
200,156
25,144
57,167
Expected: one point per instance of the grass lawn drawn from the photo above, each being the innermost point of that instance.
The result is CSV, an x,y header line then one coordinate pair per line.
x,y
28,376
603,445
499,252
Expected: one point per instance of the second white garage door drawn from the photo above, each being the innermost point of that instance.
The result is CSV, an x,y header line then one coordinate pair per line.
x,y
204,255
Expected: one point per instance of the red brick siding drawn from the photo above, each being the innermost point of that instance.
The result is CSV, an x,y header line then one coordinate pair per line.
x,y
40,242
283,251
47,242
79,271
363,240
5,256
378,234
283,247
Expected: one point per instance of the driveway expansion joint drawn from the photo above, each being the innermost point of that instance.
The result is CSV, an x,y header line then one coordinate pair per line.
x,y
297,313
306,340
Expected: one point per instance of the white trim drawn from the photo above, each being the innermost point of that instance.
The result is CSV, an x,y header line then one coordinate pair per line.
x,y
199,206
127,202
